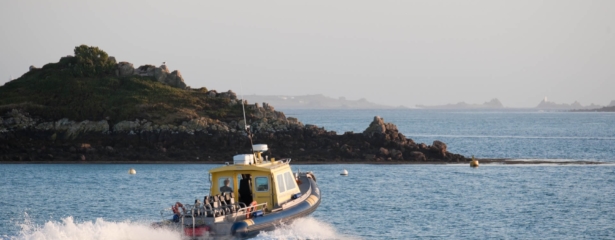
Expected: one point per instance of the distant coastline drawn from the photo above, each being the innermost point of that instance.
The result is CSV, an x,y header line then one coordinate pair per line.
x,y
316,101
320,101
493,104
548,105
603,109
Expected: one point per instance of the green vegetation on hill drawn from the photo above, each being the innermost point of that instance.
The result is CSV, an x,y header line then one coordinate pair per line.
x,y
85,87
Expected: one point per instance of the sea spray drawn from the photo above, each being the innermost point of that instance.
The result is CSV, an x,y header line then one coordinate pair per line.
x,y
68,229
304,228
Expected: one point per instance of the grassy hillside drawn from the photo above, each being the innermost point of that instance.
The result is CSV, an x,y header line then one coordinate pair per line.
x,y
59,91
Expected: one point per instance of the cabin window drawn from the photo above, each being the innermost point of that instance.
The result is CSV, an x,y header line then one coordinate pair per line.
x,y
290,181
280,183
262,184
225,184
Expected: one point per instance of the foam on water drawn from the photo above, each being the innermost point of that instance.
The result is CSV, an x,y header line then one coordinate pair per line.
x,y
304,228
68,229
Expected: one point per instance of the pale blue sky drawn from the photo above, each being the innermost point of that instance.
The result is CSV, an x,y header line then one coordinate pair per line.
x,y
389,52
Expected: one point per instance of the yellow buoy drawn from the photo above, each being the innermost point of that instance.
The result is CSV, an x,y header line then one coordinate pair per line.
x,y
474,162
132,171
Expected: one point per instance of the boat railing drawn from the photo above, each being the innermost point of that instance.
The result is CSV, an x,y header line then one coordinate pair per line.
x,y
250,209
206,211
234,210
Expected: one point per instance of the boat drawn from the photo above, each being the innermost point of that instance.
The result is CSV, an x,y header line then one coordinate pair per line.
x,y
246,197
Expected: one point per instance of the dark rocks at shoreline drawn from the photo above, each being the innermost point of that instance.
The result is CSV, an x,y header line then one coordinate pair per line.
x,y
26,139
90,108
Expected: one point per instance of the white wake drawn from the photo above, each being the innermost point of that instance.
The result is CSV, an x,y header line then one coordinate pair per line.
x,y
303,228
68,229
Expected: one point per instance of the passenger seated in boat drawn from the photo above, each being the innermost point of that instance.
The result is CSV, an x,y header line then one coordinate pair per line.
x,y
245,193
226,187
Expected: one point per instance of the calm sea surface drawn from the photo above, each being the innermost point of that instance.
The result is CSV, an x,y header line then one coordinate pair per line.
x,y
96,201
488,134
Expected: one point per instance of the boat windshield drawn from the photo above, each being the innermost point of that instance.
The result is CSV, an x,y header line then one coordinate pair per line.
x,y
225,184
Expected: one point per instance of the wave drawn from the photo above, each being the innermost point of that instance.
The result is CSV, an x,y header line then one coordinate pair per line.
x,y
303,228
68,229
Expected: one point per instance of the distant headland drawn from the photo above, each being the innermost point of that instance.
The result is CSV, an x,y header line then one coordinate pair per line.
x,y
493,104
87,108
575,106
316,101
544,105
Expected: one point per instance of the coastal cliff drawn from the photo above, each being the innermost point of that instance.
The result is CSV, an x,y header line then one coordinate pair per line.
x,y
112,112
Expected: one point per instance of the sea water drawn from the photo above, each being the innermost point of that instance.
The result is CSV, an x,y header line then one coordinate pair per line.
x,y
547,201
518,134
92,201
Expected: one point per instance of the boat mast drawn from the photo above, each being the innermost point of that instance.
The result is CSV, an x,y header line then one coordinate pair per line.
x,y
245,122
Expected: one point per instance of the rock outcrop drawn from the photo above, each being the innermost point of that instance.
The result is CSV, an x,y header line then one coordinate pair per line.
x,y
125,69
161,74
440,147
25,138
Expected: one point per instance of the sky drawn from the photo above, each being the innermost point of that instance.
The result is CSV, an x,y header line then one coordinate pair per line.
x,y
388,52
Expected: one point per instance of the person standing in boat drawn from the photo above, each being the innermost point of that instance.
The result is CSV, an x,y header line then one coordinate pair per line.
x,y
245,189
226,187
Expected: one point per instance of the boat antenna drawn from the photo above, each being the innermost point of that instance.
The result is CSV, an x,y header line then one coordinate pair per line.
x,y
245,122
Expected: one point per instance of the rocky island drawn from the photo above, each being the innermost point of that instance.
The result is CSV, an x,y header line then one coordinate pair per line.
x,y
88,108
549,105
609,108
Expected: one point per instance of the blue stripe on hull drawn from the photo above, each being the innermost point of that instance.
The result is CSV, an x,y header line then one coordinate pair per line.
x,y
251,227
